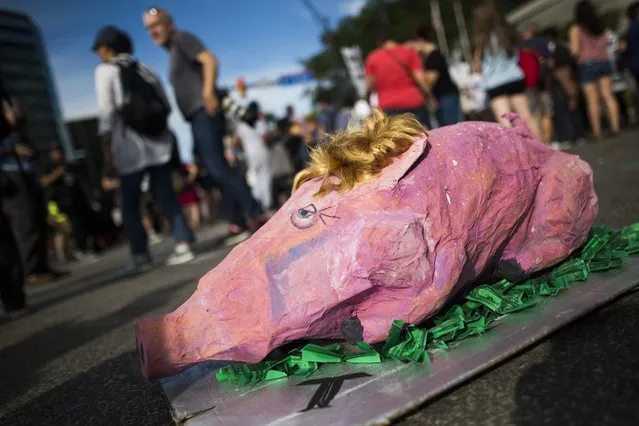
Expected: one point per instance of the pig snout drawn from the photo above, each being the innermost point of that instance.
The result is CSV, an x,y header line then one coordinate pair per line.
x,y
155,360
225,320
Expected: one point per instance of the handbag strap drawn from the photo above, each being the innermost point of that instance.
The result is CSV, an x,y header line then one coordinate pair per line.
x,y
407,71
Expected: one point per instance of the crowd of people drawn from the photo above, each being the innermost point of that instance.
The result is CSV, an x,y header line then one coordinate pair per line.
x,y
552,84
155,183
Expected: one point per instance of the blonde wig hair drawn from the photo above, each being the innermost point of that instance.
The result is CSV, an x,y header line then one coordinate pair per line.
x,y
357,156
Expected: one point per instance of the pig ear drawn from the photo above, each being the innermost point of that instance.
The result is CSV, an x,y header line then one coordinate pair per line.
x,y
393,173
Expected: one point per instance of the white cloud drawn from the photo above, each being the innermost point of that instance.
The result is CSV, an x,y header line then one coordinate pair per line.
x,y
352,7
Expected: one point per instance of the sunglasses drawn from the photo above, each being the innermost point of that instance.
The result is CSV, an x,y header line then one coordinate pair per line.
x,y
154,11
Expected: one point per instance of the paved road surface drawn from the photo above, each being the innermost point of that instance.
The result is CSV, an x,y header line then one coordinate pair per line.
x,y
72,361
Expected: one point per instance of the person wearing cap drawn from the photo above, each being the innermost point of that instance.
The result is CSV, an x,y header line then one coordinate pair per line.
x,y
193,73
132,155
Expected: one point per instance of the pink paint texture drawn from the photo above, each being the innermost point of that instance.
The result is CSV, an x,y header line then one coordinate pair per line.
x,y
443,214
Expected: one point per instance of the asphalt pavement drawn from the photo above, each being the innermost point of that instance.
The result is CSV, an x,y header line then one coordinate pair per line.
x,y
72,360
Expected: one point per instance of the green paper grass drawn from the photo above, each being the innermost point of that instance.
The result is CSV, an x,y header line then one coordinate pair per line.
x,y
605,249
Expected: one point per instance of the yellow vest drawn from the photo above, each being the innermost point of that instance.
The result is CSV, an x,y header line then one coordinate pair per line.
x,y
55,213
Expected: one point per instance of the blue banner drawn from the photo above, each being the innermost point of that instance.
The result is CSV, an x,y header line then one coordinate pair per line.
x,y
284,80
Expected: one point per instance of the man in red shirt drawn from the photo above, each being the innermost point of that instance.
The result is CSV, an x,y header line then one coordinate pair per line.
x,y
395,72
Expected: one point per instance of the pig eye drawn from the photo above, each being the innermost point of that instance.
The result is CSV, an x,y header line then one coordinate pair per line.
x,y
307,211
305,217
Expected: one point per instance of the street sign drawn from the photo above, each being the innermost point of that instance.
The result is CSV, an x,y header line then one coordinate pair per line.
x,y
290,79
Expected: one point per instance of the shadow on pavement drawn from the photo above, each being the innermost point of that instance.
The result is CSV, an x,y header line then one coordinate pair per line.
x,y
22,362
111,393
591,375
101,279
213,244
78,286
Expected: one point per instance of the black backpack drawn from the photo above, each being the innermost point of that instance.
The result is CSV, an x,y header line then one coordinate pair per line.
x,y
143,110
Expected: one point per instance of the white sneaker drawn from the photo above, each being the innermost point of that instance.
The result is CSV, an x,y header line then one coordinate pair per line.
x,y
85,256
181,255
565,145
155,239
236,239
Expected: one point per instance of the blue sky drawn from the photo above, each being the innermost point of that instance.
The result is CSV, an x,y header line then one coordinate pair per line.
x,y
252,38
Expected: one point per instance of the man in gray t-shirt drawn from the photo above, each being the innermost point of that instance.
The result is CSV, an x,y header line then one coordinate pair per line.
x,y
186,74
193,73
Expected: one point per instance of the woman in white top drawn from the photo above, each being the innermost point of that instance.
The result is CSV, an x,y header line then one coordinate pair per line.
x,y
251,132
496,57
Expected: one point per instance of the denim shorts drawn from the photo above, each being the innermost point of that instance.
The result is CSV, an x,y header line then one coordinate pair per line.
x,y
591,72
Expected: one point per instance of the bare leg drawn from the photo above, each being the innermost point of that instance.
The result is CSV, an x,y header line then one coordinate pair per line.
x,y
500,107
520,105
58,246
204,205
547,129
148,226
187,215
194,215
592,102
546,107
612,107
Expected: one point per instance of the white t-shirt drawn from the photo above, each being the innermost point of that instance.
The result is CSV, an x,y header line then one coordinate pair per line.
x,y
257,153
131,151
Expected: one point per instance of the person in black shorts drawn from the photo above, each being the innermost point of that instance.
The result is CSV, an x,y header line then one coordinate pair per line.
x,y
496,56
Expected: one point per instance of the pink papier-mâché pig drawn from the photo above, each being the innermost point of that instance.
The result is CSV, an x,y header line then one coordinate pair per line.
x,y
387,223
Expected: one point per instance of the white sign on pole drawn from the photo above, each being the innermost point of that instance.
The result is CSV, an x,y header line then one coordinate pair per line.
x,y
355,66
439,26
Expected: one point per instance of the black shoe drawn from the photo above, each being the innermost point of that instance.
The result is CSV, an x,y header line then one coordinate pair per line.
x,y
56,275
47,276
15,312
